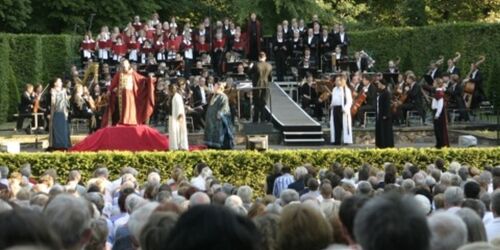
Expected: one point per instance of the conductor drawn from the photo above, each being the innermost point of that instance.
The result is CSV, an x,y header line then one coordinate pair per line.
x,y
260,73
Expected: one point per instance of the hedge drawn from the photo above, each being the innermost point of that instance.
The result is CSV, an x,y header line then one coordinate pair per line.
x,y
39,58
243,167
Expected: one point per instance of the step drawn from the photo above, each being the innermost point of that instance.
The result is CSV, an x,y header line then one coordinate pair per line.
x,y
303,133
304,140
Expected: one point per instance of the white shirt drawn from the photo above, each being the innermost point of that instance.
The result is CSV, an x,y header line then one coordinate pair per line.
x,y
203,97
188,54
338,96
342,37
309,39
438,105
451,69
493,229
199,183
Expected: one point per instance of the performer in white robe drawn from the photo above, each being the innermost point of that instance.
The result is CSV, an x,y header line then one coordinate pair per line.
x,y
177,130
340,114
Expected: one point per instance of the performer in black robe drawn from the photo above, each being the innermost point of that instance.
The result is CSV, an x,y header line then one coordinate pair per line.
x,y
384,136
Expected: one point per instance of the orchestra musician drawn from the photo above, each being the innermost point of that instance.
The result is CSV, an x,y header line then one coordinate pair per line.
x,y
477,78
82,106
414,100
199,102
369,105
452,68
340,118
455,92
25,107
310,98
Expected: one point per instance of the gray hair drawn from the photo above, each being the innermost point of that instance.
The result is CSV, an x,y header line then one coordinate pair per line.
x,y
129,170
139,218
69,217
475,226
287,196
199,198
408,185
364,188
154,178
446,178
453,196
25,170
448,231
245,193
101,172
454,167
300,172
235,203
4,172
132,202
273,208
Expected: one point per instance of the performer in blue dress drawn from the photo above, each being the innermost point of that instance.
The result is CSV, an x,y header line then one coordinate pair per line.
x,y
59,135
219,129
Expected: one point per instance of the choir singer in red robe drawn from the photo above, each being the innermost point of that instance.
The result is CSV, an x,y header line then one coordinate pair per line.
x,y
131,99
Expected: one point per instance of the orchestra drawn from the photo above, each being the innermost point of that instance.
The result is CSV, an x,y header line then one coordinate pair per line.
x,y
197,57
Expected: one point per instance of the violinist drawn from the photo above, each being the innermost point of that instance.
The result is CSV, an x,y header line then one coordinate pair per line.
x,y
310,98
82,106
101,103
25,108
369,104
40,103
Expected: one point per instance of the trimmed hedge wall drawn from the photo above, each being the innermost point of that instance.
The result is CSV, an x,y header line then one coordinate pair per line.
x,y
39,58
243,167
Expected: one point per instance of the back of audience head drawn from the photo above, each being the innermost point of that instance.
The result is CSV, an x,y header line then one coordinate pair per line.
x,y
347,212
394,215
453,197
157,228
21,227
70,218
138,219
448,231
268,225
476,231
227,230
303,227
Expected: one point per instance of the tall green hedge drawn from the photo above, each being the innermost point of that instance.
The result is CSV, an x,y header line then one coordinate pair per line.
x,y
243,167
39,58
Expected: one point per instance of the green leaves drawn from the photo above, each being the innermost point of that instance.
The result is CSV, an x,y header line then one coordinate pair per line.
x,y
244,167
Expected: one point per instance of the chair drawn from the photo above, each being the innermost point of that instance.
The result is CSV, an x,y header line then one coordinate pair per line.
x,y
412,115
79,125
369,118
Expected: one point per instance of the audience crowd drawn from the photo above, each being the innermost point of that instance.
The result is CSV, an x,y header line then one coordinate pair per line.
x,y
438,207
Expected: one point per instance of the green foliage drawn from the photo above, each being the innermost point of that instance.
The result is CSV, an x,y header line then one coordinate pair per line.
x,y
4,95
14,15
243,167
414,12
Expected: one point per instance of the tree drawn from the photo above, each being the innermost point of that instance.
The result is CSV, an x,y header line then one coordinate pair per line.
x,y
414,13
14,15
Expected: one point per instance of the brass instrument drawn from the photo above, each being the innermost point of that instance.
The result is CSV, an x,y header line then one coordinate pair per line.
x,y
457,57
94,70
371,61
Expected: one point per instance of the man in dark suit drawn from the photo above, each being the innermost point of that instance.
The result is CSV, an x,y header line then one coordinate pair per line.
x,y
452,68
455,91
414,100
361,62
260,74
369,88
479,95
342,39
200,100
26,106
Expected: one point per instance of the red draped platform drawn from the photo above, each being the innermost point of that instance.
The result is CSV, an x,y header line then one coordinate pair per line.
x,y
126,138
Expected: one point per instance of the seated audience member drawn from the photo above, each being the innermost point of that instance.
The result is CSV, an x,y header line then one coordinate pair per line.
x,y
226,231
448,231
391,222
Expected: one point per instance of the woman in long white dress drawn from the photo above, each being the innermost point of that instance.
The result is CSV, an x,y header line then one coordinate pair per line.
x,y
177,129
340,118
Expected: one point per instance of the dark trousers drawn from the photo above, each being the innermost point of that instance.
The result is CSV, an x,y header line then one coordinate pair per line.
x,y
410,107
20,120
280,66
337,123
360,116
259,104
440,131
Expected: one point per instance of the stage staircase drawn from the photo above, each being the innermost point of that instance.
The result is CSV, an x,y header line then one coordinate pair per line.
x,y
296,126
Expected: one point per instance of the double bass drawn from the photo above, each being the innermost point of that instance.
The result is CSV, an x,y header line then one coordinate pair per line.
x,y
469,85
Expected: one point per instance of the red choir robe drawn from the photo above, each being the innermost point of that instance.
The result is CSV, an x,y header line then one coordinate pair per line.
x,y
88,45
202,48
137,26
120,50
238,46
135,105
219,45
134,45
150,34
